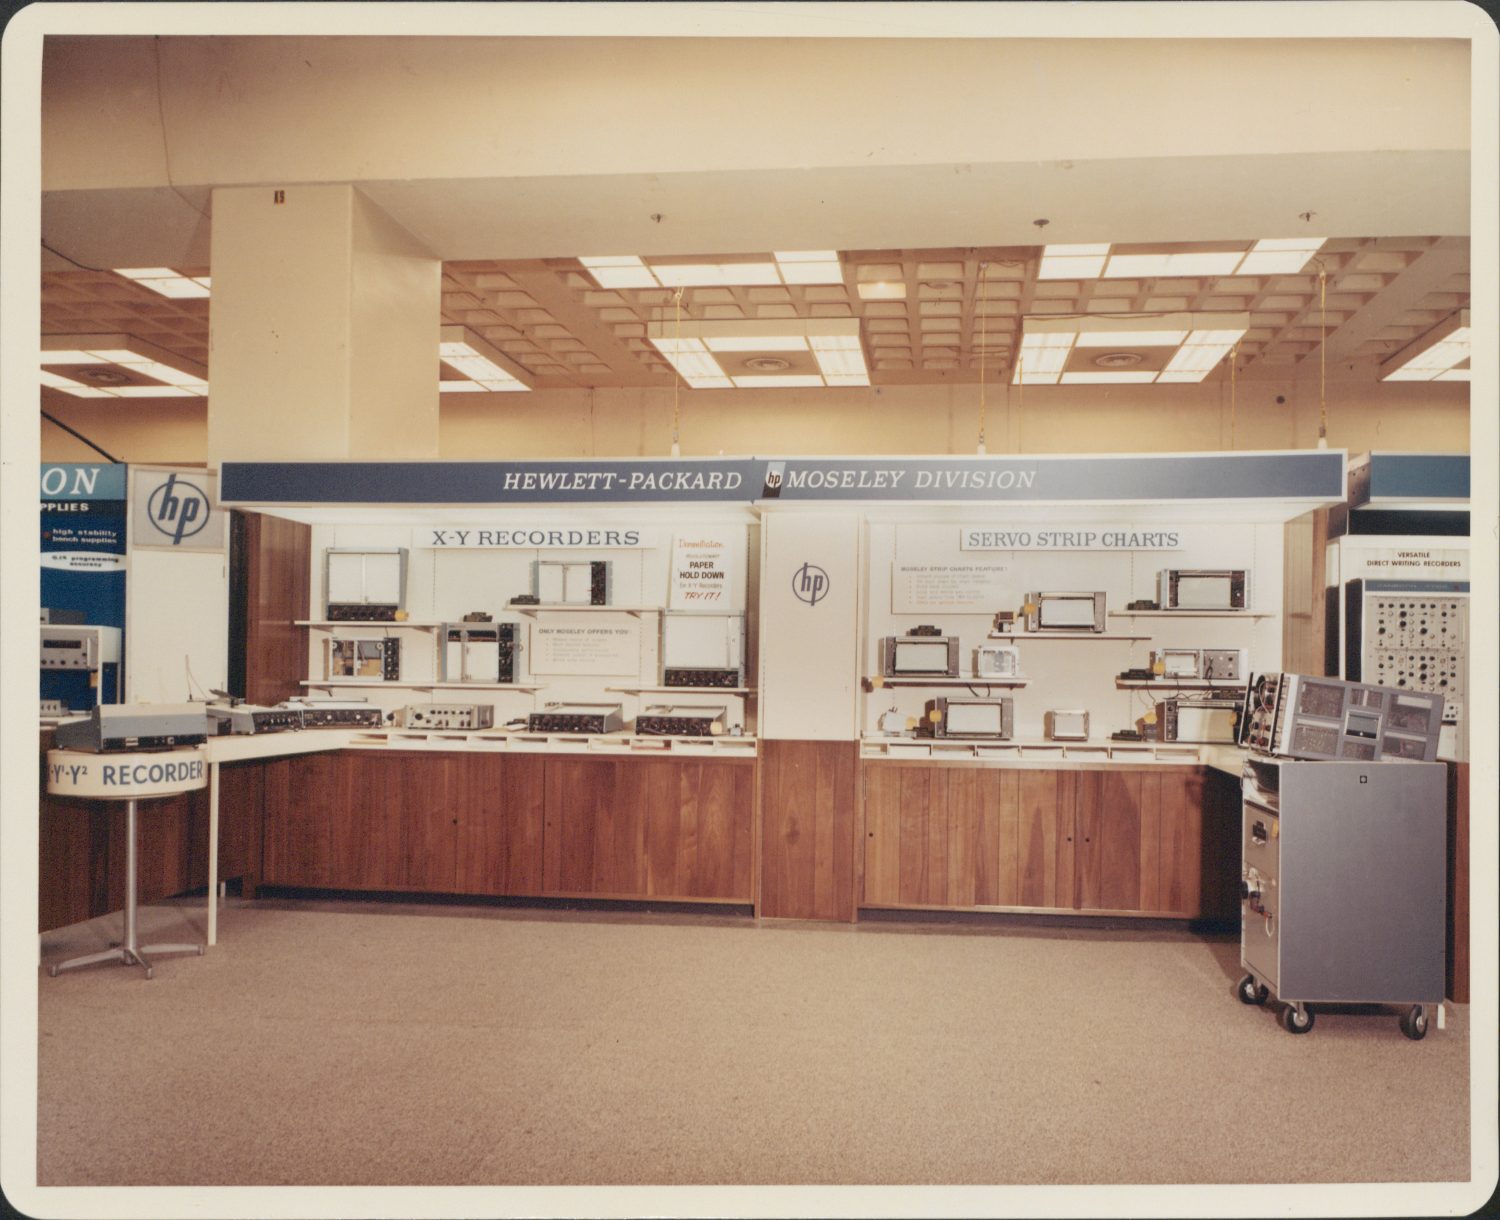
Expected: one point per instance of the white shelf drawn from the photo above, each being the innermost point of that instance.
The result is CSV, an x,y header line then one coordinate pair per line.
x,y
573,608
682,690
1171,684
475,686
1067,635
415,624
524,740
526,686
1023,753
1252,614
948,682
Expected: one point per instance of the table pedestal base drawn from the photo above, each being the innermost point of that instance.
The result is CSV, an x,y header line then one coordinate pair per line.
x,y
129,952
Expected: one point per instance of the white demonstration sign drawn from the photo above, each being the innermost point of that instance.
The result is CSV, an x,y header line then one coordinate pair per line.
x,y
704,573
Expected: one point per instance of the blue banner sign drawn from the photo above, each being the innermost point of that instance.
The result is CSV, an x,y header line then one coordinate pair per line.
x,y
1441,477
1316,475
564,482
1073,479
82,481
82,548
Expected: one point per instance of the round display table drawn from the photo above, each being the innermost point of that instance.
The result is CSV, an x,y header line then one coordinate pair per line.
x,y
132,778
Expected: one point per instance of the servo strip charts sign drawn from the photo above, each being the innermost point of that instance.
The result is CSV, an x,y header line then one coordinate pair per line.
x,y
1070,537
1310,475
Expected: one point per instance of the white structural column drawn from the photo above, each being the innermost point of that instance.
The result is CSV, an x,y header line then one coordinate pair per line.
x,y
809,625
323,329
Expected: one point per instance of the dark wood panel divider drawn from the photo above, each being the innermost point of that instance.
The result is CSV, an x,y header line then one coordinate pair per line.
x,y
808,831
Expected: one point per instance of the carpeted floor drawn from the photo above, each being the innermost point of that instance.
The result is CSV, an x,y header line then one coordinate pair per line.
x,y
402,1044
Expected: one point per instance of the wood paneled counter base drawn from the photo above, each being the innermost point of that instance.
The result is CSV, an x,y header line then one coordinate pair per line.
x,y
522,824
1153,840
835,833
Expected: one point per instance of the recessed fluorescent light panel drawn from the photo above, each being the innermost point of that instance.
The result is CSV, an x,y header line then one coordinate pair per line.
x,y
1442,354
1131,338
1072,262
700,350
1156,266
166,281
1101,350
809,266
784,267
483,368
620,271
1280,256
1268,256
116,366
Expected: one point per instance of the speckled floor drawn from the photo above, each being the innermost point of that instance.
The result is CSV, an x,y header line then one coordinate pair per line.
x,y
408,1044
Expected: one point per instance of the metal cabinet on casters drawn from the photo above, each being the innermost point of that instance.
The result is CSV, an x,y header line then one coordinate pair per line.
x,y
1342,890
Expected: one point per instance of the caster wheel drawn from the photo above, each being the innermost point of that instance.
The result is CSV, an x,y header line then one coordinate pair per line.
x,y
1295,1022
1251,992
1414,1023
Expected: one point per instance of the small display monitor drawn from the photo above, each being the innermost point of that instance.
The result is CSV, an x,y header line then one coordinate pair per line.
x,y
1203,592
1066,612
917,656
976,719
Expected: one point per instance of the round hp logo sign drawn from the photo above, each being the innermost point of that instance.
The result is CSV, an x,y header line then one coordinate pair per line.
x,y
178,510
810,584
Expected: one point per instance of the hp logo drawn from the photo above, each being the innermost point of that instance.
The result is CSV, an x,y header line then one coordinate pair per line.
x,y
178,510
810,584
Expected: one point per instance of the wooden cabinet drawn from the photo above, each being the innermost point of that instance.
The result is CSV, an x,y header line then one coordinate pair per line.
x,y
809,844
511,825
304,797
1045,842
649,829
1106,840
499,804
397,831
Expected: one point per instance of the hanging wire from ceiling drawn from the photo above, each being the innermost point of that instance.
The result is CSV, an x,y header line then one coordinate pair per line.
x,y
1322,356
983,345
1234,359
1020,395
161,115
677,380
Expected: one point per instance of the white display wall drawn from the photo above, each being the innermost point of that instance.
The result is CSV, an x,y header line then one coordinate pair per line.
x,y
605,654
918,573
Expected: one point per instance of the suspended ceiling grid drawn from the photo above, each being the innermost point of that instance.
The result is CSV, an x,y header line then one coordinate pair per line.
x,y
962,309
